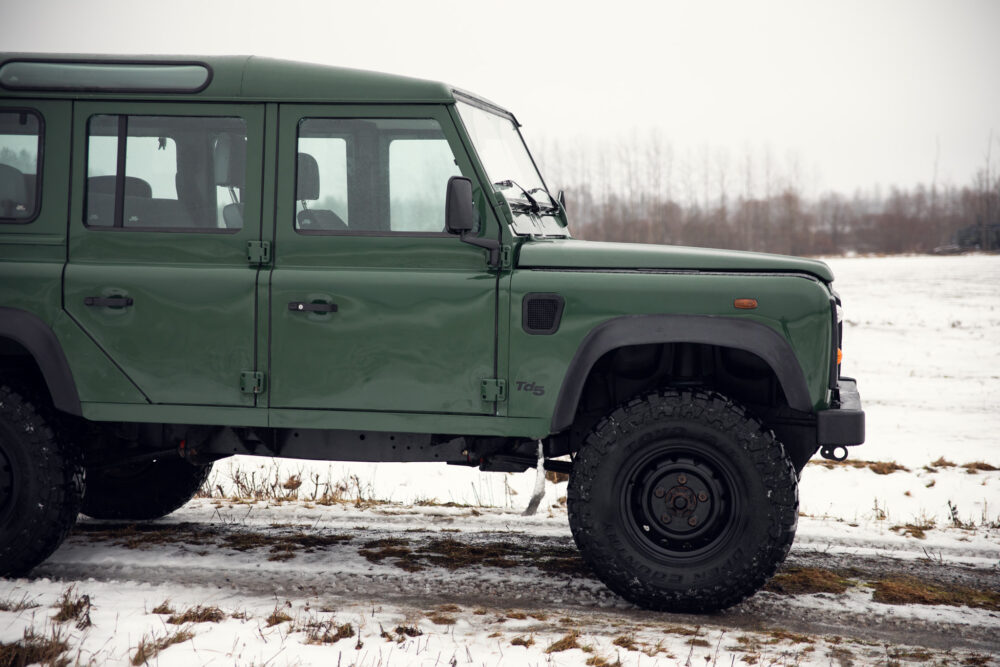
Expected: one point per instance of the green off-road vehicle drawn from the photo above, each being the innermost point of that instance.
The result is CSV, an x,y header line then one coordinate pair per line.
x,y
202,257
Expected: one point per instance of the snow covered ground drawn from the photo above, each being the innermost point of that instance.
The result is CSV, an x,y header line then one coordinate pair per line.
x,y
435,565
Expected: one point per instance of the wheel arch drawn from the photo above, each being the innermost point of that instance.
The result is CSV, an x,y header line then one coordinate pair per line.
x,y
630,330
39,342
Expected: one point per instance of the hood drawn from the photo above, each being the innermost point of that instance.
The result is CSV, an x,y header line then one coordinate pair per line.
x,y
576,254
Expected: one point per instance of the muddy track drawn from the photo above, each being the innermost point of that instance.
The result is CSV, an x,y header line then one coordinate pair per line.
x,y
423,568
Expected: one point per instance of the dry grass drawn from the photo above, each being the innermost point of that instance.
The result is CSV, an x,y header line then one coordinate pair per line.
x,y
917,530
627,642
909,590
522,641
73,607
198,614
35,649
10,604
979,466
877,467
328,632
150,646
808,580
440,619
567,642
278,616
164,608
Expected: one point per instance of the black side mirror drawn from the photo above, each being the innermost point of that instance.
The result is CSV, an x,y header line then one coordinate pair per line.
x,y
561,198
459,216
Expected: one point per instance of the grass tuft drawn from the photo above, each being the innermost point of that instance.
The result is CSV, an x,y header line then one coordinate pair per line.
x,y
567,642
328,632
198,614
278,616
979,466
35,649
73,607
909,590
806,581
10,604
522,641
150,646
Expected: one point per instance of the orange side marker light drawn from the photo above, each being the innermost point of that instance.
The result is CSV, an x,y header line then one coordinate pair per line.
x,y
745,304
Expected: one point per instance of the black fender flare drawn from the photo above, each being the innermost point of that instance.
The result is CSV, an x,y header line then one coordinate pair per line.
x,y
627,330
32,333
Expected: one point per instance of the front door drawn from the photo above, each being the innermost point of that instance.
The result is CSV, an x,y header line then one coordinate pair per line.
x,y
374,307
165,201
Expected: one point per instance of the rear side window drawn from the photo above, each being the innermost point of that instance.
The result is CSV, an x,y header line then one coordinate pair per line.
x,y
20,153
372,175
172,173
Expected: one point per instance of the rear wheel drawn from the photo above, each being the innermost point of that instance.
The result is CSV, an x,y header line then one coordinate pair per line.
x,y
142,491
681,502
41,484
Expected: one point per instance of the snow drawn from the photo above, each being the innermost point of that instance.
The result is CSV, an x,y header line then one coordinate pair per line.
x,y
921,337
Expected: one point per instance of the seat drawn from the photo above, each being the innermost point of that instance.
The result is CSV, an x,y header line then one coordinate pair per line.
x,y
101,197
230,159
13,193
306,190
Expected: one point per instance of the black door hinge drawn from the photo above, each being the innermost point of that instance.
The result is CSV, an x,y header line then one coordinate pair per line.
x,y
252,382
494,390
259,253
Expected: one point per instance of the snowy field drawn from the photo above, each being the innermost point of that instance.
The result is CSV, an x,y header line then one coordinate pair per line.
x,y
434,565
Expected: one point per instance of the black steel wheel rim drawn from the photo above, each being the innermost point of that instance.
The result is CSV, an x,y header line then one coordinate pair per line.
x,y
681,502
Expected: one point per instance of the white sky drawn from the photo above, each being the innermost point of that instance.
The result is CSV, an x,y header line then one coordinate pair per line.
x,y
863,92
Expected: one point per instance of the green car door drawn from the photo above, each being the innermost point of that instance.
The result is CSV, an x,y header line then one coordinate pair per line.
x,y
374,307
164,204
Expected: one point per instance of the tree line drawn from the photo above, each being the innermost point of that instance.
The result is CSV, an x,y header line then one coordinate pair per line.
x,y
644,191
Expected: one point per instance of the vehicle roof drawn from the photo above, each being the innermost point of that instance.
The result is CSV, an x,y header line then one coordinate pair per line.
x,y
253,78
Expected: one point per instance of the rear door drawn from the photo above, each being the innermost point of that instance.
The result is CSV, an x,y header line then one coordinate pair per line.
x,y
165,199
374,307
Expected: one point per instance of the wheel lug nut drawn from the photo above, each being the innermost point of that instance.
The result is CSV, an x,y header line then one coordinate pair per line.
x,y
665,518
693,521
682,479
659,493
702,496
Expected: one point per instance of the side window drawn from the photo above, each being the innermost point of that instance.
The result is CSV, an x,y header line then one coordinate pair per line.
x,y
20,143
165,172
372,175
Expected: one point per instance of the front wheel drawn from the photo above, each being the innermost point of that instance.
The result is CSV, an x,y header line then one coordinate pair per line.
x,y
681,502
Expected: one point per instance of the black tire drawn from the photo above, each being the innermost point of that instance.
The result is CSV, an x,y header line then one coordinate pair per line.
x,y
732,494
41,484
142,491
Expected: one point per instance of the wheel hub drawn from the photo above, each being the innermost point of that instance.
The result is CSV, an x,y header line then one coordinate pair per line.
x,y
680,503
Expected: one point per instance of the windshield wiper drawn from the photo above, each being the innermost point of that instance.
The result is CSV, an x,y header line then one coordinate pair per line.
x,y
532,204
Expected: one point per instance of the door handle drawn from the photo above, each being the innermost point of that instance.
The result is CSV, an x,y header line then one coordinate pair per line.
x,y
108,301
301,306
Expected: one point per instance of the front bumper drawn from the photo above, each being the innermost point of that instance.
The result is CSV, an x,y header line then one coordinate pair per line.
x,y
843,426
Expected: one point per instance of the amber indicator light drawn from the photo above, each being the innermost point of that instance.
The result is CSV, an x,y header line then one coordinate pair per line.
x,y
745,304
840,356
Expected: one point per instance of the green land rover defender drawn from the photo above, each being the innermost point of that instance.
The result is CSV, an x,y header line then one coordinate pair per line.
x,y
202,257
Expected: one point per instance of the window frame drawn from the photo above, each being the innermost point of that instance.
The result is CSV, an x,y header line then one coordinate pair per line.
x,y
365,232
122,165
39,164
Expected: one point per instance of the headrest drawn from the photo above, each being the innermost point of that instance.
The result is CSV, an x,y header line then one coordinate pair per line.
x,y
230,157
307,188
105,185
12,187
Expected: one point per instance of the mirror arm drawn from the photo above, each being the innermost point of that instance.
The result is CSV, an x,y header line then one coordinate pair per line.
x,y
489,244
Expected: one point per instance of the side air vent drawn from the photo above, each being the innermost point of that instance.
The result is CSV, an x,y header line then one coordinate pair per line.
x,y
540,313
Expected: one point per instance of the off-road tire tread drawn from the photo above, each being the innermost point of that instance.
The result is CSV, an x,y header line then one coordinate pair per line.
x,y
163,487
58,461
768,457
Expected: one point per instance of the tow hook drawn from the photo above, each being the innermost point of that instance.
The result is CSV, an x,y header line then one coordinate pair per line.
x,y
835,453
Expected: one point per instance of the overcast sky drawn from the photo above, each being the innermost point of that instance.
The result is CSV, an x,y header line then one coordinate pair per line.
x,y
863,93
